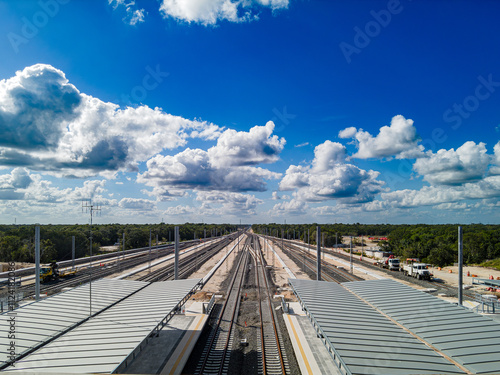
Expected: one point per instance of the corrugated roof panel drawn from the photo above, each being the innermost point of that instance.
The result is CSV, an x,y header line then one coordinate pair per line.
x,y
469,338
348,323
104,342
37,322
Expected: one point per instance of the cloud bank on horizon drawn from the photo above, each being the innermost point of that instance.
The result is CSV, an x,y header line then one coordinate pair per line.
x,y
50,130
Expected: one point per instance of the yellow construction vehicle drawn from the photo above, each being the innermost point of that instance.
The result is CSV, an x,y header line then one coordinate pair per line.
x,y
51,271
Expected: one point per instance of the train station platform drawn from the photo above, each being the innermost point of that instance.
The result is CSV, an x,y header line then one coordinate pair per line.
x,y
110,341
311,354
168,353
38,322
385,327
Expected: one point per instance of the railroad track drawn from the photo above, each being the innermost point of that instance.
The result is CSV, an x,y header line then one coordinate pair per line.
x,y
303,258
97,272
101,258
273,355
188,264
441,286
215,356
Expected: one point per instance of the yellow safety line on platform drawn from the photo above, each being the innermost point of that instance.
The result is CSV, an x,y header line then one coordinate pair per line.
x,y
309,371
185,348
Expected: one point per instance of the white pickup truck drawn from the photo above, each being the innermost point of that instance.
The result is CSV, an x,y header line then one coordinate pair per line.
x,y
418,270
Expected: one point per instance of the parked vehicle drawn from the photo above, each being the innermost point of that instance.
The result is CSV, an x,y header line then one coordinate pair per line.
x,y
417,270
51,272
392,263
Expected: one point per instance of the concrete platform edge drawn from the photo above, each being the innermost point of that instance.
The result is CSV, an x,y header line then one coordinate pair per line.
x,y
179,357
303,353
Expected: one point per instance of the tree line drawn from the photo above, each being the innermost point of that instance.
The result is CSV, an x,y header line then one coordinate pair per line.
x,y
17,242
434,244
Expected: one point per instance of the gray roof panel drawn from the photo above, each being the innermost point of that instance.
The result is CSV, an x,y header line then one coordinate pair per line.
x,y
38,322
347,322
107,340
468,338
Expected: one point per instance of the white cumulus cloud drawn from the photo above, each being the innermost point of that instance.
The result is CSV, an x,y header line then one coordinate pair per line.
x,y
18,178
137,204
454,167
217,204
495,169
10,183
247,148
210,12
292,207
231,203
227,166
46,124
329,177
487,188
398,140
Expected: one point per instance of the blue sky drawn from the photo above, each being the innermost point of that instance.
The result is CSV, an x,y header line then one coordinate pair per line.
x,y
260,110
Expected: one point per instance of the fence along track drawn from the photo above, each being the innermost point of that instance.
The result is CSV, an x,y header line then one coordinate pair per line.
x,y
273,356
215,358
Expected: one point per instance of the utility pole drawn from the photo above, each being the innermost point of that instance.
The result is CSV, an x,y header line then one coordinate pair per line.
x,y
176,254
308,239
460,266
318,255
282,243
91,208
37,263
238,242
265,247
149,249
362,247
72,253
123,247
350,256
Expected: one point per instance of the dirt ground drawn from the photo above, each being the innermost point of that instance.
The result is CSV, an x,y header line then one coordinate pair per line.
x,y
4,266
279,271
468,272
214,284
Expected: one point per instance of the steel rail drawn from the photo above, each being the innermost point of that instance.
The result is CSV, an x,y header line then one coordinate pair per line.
x,y
331,273
233,295
260,259
186,264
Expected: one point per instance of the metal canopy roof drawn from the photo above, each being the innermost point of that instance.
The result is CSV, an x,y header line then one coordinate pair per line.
x,y
38,322
469,338
108,342
361,340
